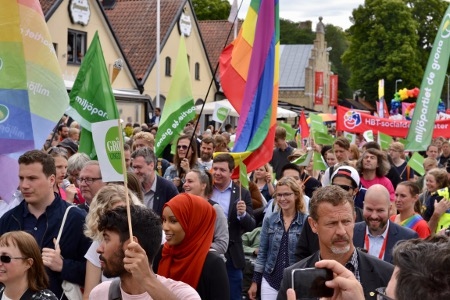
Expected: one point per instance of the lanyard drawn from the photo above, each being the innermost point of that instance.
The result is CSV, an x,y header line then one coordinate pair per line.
x,y
383,248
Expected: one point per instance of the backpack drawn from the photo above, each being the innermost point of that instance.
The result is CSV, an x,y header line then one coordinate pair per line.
x,y
114,292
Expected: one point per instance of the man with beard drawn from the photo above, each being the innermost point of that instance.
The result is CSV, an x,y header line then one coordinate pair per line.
x,y
157,190
206,153
377,234
130,259
332,218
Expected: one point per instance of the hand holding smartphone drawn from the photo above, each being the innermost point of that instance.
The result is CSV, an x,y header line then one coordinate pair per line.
x,y
309,283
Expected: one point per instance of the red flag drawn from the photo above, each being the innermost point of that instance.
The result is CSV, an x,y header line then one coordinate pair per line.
x,y
304,129
333,90
318,88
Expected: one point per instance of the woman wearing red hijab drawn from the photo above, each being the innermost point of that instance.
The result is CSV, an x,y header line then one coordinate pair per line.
x,y
188,223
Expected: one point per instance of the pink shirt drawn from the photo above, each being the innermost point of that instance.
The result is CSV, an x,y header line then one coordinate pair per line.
x,y
384,181
179,288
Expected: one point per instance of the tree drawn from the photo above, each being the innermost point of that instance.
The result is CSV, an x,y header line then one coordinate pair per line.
x,y
211,9
383,44
337,40
291,33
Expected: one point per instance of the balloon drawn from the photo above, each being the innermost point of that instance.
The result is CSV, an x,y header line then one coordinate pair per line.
x,y
416,92
403,94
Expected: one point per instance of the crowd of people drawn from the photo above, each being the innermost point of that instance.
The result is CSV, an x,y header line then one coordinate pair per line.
x,y
197,233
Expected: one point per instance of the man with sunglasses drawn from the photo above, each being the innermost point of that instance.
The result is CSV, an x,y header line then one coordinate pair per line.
x,y
347,179
41,214
377,234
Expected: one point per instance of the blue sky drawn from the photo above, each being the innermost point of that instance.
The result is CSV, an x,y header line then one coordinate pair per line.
x,y
336,12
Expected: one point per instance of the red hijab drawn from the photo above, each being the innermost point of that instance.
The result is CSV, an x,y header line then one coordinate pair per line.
x,y
184,262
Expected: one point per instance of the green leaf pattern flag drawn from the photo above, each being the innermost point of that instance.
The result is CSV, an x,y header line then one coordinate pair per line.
x,y
243,174
317,125
384,140
303,160
323,138
422,124
318,162
91,98
179,107
416,163
290,132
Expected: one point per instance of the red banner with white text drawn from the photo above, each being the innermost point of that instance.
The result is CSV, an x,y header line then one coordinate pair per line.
x,y
333,90
318,88
353,121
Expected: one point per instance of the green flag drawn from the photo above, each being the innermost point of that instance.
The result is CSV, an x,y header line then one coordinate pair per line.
x,y
318,162
368,135
351,137
421,129
317,123
416,163
91,98
303,160
243,174
384,140
179,107
290,132
323,138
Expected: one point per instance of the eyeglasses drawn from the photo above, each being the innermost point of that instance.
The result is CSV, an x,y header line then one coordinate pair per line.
x,y
7,259
88,181
344,187
184,147
284,195
381,294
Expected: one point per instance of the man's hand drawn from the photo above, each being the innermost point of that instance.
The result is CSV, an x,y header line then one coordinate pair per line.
x,y
136,262
52,258
241,207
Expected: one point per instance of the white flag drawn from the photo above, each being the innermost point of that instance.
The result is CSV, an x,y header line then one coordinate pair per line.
x,y
233,12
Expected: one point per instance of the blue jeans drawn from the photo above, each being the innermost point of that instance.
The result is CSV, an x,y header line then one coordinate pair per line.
x,y
235,279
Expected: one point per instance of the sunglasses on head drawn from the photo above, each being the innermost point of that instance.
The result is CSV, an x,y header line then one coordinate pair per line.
x,y
344,187
184,147
6,259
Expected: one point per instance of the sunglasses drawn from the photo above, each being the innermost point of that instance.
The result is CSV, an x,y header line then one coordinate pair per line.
x,y
7,259
184,147
344,187
381,294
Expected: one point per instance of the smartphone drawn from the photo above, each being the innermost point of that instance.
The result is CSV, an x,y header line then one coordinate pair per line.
x,y
309,283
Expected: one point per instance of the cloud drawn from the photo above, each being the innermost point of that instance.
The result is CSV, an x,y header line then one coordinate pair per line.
x,y
333,12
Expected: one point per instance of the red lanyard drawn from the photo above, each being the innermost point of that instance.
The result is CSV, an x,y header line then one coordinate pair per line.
x,y
383,248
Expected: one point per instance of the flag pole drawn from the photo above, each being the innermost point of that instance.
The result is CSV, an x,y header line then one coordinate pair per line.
x,y
213,79
125,178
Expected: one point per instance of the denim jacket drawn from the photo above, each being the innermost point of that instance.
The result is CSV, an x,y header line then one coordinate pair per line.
x,y
271,233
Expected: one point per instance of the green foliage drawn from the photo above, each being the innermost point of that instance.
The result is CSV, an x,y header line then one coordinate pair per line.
x,y
211,9
291,34
337,40
383,44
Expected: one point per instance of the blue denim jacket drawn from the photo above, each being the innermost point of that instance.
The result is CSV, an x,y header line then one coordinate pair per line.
x,y
271,233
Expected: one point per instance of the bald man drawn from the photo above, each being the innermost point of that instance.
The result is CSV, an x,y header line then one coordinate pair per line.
x,y
377,235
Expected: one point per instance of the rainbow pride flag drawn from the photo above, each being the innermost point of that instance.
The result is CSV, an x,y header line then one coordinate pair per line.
x,y
32,92
249,72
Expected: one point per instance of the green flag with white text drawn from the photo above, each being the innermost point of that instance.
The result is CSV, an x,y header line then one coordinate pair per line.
x,y
91,98
179,107
290,132
384,140
421,129
416,163
316,123
303,160
318,162
323,138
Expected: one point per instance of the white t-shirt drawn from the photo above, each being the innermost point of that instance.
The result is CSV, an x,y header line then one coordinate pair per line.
x,y
180,289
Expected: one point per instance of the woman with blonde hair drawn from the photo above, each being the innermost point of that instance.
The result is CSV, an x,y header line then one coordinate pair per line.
x,y
262,177
279,236
23,275
107,198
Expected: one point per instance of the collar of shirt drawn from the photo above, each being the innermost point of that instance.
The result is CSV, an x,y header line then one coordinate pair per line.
x,y
353,262
228,187
153,187
384,234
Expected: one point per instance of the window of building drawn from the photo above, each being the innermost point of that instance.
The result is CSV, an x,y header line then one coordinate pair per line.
x,y
197,71
76,46
168,66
